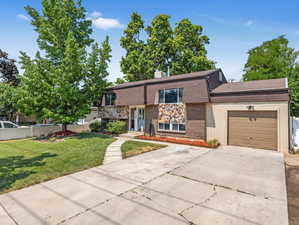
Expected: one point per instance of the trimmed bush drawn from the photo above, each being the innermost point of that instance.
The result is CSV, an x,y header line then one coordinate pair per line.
x,y
116,127
214,143
95,126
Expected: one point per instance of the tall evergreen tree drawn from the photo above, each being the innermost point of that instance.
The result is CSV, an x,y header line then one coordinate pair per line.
x,y
275,59
63,84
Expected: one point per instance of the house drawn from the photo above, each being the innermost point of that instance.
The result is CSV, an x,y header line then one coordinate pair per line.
x,y
203,105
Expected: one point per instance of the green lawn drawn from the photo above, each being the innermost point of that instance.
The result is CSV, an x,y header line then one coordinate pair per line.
x,y
27,162
131,148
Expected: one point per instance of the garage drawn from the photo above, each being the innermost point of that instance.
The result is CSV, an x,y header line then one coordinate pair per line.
x,y
256,129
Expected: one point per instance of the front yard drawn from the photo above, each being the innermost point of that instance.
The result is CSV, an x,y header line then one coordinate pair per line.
x,y
27,162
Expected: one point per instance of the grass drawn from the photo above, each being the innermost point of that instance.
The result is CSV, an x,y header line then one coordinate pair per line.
x,y
132,148
27,162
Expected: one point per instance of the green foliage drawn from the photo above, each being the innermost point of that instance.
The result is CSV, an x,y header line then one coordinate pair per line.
x,y
214,143
95,126
190,52
133,63
8,69
116,127
294,86
63,84
119,81
272,59
97,70
8,100
58,19
181,49
275,59
159,49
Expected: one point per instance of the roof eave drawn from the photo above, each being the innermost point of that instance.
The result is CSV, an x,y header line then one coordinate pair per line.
x,y
251,91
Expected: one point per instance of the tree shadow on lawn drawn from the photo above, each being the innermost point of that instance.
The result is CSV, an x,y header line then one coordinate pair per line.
x,y
9,165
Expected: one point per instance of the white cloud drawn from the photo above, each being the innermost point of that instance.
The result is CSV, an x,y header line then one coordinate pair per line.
x,y
106,23
95,14
23,17
248,23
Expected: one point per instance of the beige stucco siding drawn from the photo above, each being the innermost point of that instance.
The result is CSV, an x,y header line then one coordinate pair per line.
x,y
217,113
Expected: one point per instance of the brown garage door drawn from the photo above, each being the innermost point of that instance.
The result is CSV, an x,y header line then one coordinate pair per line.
x,y
256,129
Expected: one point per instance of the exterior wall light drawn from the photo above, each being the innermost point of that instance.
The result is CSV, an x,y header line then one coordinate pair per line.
x,y
250,107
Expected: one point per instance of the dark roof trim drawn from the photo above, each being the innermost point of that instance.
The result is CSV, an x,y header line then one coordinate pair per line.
x,y
174,78
282,90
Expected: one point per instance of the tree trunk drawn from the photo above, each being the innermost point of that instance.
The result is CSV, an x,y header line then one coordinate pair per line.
x,y
64,127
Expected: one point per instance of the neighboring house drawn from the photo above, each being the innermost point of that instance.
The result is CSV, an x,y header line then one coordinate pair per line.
x,y
202,105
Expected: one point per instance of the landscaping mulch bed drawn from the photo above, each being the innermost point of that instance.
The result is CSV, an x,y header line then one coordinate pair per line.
x,y
199,143
66,133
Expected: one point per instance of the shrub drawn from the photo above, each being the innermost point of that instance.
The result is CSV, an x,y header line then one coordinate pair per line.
x,y
214,143
116,127
95,126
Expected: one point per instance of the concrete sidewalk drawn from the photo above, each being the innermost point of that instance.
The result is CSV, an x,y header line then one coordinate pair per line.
x,y
113,151
175,185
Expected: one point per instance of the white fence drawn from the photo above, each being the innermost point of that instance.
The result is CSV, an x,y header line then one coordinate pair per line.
x,y
294,132
26,132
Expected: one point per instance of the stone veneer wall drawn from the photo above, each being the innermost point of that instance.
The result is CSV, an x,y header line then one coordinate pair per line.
x,y
194,117
114,112
175,113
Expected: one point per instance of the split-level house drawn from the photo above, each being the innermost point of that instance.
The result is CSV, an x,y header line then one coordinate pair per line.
x,y
203,105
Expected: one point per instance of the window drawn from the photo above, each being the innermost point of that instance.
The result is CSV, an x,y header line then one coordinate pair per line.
x,y
9,125
110,98
174,95
172,127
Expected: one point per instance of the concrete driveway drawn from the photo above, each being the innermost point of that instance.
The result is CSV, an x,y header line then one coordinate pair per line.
x,y
174,185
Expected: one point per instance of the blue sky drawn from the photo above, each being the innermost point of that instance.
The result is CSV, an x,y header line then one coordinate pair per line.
x,y
232,26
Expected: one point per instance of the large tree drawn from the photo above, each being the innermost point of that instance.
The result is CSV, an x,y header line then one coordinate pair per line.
x,y
8,100
132,64
159,46
275,59
64,81
190,52
9,82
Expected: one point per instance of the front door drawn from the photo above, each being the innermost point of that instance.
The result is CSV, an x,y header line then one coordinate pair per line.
x,y
140,121
137,119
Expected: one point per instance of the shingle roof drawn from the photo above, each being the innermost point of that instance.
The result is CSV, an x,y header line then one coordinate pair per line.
x,y
165,79
257,85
